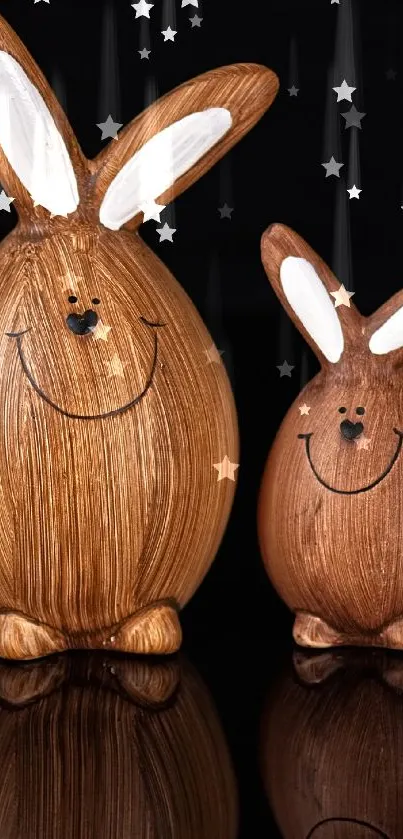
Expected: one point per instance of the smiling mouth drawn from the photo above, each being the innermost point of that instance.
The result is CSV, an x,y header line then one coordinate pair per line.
x,y
307,438
18,337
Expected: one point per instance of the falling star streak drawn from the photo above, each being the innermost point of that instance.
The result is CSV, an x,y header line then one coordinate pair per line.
x,y
109,91
293,75
59,89
214,311
341,258
168,15
354,174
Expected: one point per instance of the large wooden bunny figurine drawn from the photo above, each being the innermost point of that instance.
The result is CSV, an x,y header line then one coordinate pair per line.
x,y
330,515
118,432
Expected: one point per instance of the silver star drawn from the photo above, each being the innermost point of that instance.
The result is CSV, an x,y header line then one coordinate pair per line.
x,y
293,91
5,201
144,53
109,128
196,21
354,192
169,34
334,1
344,91
353,118
142,8
285,369
332,167
189,3
166,232
225,211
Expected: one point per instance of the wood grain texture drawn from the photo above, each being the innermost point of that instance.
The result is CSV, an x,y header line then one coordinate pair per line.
x,y
330,525
111,508
331,744
112,748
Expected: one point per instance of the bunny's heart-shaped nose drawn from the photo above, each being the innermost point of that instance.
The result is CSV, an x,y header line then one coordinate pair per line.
x,y
82,324
351,430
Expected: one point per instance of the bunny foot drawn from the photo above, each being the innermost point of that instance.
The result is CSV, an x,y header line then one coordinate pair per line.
x,y
311,631
22,638
154,630
314,668
392,635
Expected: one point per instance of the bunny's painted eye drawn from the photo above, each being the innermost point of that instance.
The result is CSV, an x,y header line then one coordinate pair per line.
x,y
73,299
95,301
342,410
360,410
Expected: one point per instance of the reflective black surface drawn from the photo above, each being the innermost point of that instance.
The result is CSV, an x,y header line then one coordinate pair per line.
x,y
106,746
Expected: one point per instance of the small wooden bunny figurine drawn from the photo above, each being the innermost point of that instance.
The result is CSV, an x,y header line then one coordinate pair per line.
x,y
330,515
331,744
118,432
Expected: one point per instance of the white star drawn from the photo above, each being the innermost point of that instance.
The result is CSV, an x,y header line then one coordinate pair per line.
x,y
334,1
116,367
100,331
354,192
166,232
5,201
142,8
332,167
109,128
144,53
363,442
213,354
38,1
226,469
304,409
152,210
342,296
344,91
169,34
190,3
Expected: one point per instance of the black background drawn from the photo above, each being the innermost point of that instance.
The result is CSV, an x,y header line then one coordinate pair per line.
x,y
237,632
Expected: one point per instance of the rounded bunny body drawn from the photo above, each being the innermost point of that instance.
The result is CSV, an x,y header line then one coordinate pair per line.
x,y
330,508
119,438
332,548
106,515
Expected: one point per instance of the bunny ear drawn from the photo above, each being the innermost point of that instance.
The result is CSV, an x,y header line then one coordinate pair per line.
x,y
177,139
37,146
304,284
386,326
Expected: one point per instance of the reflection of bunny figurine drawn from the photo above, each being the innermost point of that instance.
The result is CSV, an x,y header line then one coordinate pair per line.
x,y
331,745
117,420
112,747
331,503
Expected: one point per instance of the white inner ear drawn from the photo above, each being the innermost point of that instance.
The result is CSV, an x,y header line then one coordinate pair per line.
x,y
311,303
160,162
389,336
31,142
